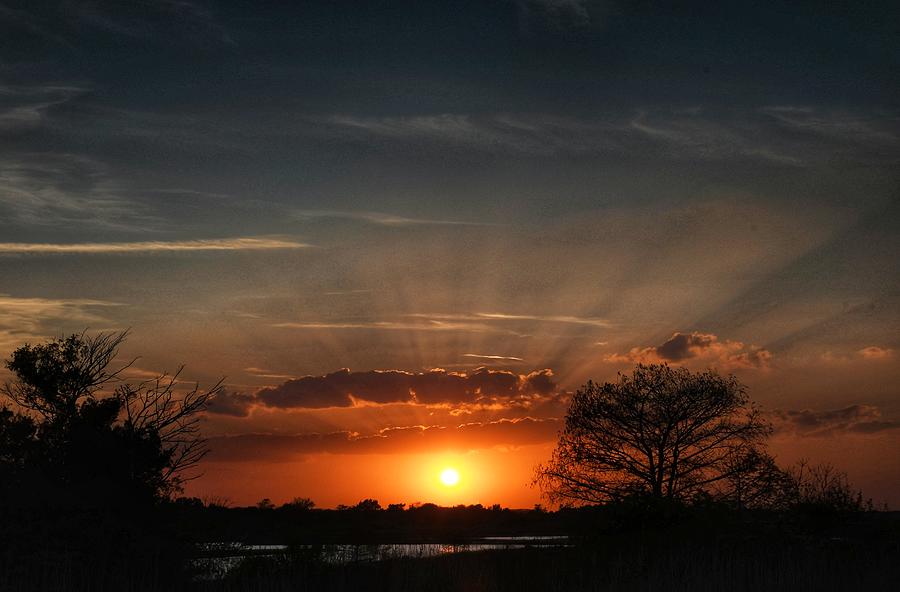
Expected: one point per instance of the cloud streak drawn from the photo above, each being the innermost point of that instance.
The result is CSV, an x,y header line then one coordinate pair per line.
x,y
430,325
783,136
499,316
224,244
494,358
385,219
854,419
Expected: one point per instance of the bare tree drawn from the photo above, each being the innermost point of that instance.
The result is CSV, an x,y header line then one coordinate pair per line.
x,y
824,487
155,407
663,432
753,480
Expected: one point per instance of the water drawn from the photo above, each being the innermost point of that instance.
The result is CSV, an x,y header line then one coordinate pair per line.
x,y
223,557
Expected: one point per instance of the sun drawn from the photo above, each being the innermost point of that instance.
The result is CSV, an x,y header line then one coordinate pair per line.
x,y
449,477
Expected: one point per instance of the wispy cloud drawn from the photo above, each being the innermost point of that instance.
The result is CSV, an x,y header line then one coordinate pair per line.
x,y
492,357
474,323
264,373
841,126
26,106
425,325
779,135
346,292
593,321
52,189
504,317
526,133
223,244
385,219
22,319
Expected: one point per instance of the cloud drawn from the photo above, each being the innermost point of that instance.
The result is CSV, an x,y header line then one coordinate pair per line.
x,y
223,244
874,352
701,347
437,386
782,136
385,219
423,325
524,133
231,403
540,382
858,419
840,126
494,358
545,319
265,373
24,319
25,107
499,316
408,439
48,188
482,322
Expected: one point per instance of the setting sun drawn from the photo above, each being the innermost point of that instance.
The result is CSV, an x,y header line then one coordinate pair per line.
x,y
449,477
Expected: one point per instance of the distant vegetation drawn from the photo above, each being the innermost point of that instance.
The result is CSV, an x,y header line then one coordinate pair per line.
x,y
663,481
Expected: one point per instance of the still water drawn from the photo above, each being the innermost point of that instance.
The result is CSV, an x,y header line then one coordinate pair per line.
x,y
220,558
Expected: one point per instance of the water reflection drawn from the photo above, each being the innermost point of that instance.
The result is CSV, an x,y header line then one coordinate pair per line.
x,y
220,558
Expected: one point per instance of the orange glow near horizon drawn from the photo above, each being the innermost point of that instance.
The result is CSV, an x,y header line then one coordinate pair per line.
x,y
490,476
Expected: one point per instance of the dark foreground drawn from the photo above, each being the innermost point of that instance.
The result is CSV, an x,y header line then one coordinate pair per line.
x,y
694,552
748,565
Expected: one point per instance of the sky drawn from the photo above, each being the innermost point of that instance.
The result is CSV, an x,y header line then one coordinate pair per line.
x,y
405,232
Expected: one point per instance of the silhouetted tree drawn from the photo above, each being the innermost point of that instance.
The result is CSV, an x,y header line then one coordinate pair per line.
x,y
662,432
300,503
367,505
77,427
823,488
85,460
54,378
753,480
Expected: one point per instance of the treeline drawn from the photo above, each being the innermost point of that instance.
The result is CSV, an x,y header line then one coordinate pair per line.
x,y
369,523
365,523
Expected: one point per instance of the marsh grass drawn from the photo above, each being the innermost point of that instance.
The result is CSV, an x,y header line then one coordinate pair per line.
x,y
798,564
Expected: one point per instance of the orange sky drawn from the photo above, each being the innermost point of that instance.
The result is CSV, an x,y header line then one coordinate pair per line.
x,y
345,436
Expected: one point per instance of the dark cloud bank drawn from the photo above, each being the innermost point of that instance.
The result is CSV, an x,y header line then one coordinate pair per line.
x,y
437,386
854,419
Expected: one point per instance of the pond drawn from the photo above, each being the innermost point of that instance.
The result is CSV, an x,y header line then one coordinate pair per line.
x,y
220,558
